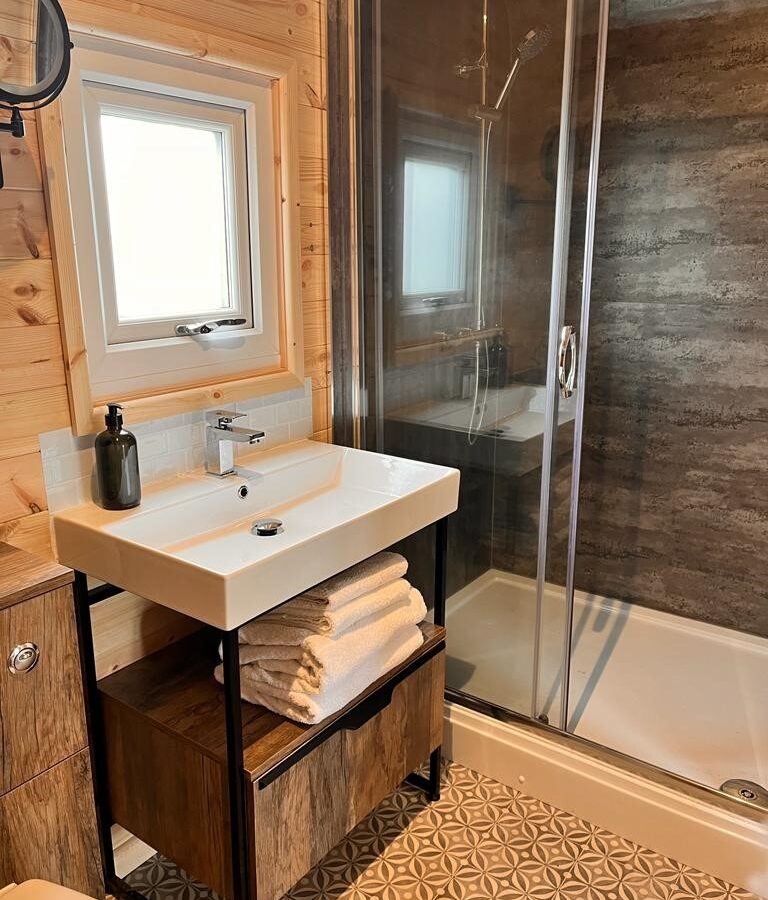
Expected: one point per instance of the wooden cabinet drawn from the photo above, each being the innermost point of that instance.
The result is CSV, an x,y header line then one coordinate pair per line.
x,y
47,817
310,785
48,829
41,710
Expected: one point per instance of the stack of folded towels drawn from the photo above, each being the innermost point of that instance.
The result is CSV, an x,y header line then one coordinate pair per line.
x,y
309,658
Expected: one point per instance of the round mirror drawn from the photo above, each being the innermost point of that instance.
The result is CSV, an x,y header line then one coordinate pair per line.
x,y
38,63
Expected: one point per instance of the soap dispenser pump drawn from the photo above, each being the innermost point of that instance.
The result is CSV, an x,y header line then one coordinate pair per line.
x,y
117,463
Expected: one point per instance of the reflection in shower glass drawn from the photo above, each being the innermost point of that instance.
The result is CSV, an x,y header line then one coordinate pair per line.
x,y
435,226
460,299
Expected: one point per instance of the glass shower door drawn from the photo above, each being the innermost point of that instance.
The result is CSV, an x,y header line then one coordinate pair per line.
x,y
558,513
476,128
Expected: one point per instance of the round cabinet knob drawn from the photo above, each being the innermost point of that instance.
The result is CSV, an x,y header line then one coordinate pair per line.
x,y
23,659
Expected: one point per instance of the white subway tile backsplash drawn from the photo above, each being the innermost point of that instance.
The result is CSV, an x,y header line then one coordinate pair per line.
x,y
287,412
301,429
169,446
263,418
152,445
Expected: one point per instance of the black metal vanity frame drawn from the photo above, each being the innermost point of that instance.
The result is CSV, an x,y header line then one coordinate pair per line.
x,y
243,885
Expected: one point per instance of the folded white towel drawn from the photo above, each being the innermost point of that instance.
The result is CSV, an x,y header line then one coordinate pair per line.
x,y
360,579
323,655
310,708
330,620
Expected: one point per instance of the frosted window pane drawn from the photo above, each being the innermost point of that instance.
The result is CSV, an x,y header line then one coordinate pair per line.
x,y
434,227
167,217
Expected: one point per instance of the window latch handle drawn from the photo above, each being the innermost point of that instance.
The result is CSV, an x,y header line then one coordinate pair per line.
x,y
206,327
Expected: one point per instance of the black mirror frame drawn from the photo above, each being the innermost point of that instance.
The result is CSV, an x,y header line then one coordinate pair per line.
x,y
31,101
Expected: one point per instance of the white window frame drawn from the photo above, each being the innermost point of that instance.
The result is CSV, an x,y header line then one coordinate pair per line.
x,y
159,362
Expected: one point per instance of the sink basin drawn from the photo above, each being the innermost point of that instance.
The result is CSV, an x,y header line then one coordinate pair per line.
x,y
189,546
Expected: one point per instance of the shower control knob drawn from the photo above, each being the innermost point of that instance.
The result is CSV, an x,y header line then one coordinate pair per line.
x,y
23,658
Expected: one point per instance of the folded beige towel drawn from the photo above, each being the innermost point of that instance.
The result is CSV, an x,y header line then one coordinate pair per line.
x,y
330,620
315,657
359,667
360,579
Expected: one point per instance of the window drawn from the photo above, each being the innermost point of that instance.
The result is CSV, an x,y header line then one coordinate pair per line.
x,y
170,186
437,212
178,262
176,213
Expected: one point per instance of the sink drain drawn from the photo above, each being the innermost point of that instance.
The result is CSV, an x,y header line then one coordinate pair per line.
x,y
747,791
267,527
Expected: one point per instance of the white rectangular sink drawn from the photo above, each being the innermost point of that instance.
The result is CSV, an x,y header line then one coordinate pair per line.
x,y
189,545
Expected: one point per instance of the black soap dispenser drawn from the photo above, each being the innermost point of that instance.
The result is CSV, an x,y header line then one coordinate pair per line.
x,y
117,463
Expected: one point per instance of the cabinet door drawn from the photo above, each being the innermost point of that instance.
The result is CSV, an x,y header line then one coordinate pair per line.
x,y
42,718
48,829
307,811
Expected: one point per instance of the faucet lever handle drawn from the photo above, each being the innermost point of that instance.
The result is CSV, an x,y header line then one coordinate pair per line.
x,y
223,417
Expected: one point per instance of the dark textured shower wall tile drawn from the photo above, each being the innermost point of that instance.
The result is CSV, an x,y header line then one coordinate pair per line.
x,y
674,495
694,68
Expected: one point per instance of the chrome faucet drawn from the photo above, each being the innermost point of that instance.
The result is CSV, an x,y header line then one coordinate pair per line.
x,y
220,439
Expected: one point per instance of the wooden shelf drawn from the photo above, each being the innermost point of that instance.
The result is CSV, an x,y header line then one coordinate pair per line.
x,y
175,690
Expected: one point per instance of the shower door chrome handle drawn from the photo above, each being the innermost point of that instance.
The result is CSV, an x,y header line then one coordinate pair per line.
x,y
566,373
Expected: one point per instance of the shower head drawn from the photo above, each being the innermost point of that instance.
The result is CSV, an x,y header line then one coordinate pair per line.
x,y
529,48
533,43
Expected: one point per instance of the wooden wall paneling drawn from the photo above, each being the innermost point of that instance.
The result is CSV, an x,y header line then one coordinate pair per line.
x,y
22,490
283,24
314,236
48,829
17,19
17,60
31,533
21,156
25,413
178,33
316,323
314,182
23,225
312,132
41,710
314,271
27,292
32,359
127,628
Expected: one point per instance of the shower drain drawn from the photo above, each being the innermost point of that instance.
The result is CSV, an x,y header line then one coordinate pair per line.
x,y
747,791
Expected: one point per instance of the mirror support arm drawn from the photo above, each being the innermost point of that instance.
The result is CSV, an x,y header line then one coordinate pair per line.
x,y
16,125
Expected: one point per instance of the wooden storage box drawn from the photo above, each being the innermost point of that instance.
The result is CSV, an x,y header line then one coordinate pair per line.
x,y
310,785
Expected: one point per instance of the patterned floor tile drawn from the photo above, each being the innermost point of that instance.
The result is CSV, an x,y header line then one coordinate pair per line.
x,y
480,841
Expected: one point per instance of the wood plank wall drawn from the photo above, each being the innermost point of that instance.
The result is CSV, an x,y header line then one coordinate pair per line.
x,y
33,394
